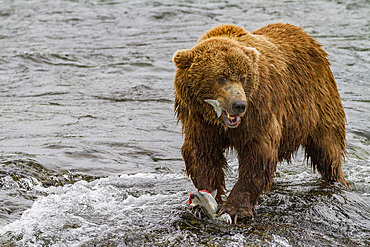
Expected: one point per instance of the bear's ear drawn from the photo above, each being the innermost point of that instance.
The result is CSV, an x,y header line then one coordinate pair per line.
x,y
251,52
183,58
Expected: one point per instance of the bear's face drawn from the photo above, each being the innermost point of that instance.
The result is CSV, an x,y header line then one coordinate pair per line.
x,y
218,72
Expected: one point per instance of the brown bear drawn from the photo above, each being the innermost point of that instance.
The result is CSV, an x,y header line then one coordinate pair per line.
x,y
264,94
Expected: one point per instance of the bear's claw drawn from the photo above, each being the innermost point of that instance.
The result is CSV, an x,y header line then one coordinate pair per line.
x,y
236,213
197,211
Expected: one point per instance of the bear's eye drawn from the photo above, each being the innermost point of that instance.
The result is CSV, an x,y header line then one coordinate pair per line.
x,y
242,79
222,79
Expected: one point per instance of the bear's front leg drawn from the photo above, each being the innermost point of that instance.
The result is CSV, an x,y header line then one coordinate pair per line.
x,y
257,165
205,164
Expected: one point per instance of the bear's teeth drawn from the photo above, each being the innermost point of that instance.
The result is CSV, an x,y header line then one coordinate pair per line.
x,y
230,117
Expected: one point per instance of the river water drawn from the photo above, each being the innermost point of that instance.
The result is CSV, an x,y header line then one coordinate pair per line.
x,y
90,147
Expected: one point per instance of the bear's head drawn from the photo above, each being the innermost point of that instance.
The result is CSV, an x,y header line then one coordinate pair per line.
x,y
217,72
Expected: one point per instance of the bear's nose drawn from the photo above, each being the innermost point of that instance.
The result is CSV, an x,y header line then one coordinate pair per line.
x,y
239,107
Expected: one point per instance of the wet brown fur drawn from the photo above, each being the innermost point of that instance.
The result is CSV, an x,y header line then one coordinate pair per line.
x,y
292,101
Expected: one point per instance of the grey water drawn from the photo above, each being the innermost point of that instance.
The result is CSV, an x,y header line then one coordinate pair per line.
x,y
90,147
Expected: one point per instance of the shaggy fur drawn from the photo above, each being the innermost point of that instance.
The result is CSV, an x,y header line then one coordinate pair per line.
x,y
291,101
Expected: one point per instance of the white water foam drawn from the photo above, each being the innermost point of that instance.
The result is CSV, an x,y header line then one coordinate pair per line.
x,y
280,241
73,214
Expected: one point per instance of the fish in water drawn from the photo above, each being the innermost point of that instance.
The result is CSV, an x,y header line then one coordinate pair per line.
x,y
206,201
216,105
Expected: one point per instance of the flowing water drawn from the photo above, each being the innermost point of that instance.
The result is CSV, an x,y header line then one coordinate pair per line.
x,y
90,147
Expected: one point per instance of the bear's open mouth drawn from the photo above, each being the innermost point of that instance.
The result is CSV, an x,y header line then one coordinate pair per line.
x,y
232,121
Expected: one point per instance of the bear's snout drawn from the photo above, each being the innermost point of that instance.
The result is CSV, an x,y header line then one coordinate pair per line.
x,y
235,102
239,107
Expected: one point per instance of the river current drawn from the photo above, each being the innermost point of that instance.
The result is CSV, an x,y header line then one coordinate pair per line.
x,y
90,148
